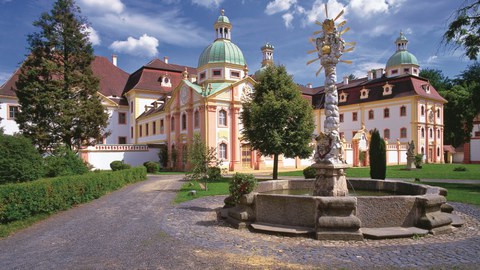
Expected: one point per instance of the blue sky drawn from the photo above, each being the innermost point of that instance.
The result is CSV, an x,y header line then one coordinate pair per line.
x,y
141,30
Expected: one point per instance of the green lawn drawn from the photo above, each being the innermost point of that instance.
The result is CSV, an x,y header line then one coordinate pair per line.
x,y
465,193
214,188
429,171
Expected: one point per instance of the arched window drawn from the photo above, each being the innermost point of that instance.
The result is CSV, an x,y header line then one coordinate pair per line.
x,y
172,123
386,133
222,151
422,110
423,150
438,151
430,131
423,133
403,132
403,111
196,119
438,133
222,118
184,121
386,113
438,113
371,114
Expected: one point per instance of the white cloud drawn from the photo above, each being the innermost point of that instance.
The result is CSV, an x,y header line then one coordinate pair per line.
x,y
287,18
162,25
368,8
144,46
208,3
93,36
4,76
317,13
277,6
362,68
432,59
103,6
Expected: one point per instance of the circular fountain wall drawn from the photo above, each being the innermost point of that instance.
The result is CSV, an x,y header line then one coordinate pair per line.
x,y
414,209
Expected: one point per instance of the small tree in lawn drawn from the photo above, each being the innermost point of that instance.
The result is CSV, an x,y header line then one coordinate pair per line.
x,y
276,119
201,158
378,156
56,89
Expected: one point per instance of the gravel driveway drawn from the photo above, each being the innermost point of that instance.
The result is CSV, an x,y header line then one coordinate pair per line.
x,y
137,227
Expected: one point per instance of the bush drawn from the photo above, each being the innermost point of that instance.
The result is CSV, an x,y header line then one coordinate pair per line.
x,y
49,195
241,184
64,162
118,165
151,166
19,160
418,161
460,169
378,156
309,172
214,173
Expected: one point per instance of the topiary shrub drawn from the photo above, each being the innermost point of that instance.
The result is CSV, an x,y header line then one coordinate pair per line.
x,y
151,166
64,162
241,184
309,172
418,161
118,165
19,160
214,173
378,156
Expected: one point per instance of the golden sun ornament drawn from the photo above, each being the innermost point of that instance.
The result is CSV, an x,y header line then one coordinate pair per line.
x,y
330,46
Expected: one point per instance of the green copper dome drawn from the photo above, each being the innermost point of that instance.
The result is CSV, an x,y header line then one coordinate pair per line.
x,y
221,51
402,58
223,18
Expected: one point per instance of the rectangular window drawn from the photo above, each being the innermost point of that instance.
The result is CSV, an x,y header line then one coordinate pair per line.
x,y
477,133
386,113
217,73
403,111
395,71
162,126
122,140
354,116
131,132
222,118
371,115
341,118
146,129
235,74
131,106
202,76
140,131
406,70
154,127
12,111
196,122
122,118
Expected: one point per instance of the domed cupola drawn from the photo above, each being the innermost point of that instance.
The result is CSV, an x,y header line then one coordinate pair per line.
x,y
267,59
222,60
402,62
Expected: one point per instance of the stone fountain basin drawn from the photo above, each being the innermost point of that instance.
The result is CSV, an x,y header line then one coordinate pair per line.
x,y
416,206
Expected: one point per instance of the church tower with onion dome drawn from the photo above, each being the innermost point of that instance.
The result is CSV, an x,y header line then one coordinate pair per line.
x,y
402,62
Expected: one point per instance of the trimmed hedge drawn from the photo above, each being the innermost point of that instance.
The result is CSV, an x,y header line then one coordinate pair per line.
x,y
22,200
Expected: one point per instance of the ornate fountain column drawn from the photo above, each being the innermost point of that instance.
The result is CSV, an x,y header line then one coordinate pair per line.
x,y
329,163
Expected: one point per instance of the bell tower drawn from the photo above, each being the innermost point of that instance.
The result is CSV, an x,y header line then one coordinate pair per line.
x,y
267,53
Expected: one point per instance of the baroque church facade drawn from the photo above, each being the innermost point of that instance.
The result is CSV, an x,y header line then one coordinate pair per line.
x,y
162,105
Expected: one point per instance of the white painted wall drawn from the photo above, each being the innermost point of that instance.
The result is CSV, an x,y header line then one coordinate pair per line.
x,y
9,125
102,159
115,128
475,150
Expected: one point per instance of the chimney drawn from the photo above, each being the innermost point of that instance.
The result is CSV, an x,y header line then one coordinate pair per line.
x,y
165,59
379,73
309,85
345,80
114,60
370,75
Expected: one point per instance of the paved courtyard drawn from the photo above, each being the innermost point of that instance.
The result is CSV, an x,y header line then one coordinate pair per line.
x,y
137,227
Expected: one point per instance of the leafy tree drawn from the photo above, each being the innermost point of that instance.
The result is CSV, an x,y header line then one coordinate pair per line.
x,y
276,119
64,161
1,128
471,78
202,160
458,114
464,30
352,77
378,156
19,160
56,89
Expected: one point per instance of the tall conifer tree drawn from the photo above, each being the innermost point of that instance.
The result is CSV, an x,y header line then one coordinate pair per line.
x,y
277,120
378,156
57,90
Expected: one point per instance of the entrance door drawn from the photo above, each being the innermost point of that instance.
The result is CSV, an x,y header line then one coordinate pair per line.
x,y
246,156
430,155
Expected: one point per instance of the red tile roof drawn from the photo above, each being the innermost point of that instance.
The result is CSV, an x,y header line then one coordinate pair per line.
x,y
112,80
405,85
149,76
